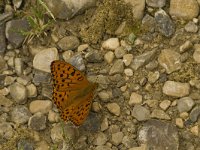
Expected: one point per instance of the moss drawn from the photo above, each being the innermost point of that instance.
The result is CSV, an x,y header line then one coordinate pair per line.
x,y
106,20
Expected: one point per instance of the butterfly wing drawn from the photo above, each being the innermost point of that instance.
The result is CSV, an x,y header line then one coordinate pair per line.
x,y
67,77
79,110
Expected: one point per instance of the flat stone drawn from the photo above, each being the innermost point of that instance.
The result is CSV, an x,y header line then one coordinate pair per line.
x,y
116,138
165,24
196,54
114,108
12,34
160,114
118,67
160,135
177,89
184,9
142,59
43,59
18,93
140,113
111,44
170,60
20,114
43,106
101,139
37,122
185,104
156,3
68,43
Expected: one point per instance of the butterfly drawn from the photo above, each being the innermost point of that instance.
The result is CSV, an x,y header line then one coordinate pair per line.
x,y
72,92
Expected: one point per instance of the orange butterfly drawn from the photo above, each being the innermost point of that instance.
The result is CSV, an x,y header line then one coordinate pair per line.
x,y
72,92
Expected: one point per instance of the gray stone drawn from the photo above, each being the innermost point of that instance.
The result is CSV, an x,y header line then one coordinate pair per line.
x,y
120,52
37,122
78,62
177,89
159,135
118,67
148,23
185,104
100,139
184,9
6,130
140,113
2,39
156,3
66,9
20,114
41,77
18,93
116,138
43,59
195,113
191,27
143,59
94,56
170,60
164,23
25,144
13,29
68,43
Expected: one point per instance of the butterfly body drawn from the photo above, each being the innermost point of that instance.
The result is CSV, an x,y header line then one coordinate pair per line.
x,y
72,92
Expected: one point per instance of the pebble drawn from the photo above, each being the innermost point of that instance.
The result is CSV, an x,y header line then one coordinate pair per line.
x,y
128,72
6,130
191,27
5,101
177,89
37,122
195,113
196,54
153,76
103,147
113,108
43,59
127,59
41,77
109,56
116,138
185,104
170,60
111,44
128,141
43,106
67,55
3,65
186,46
68,43
151,103
118,67
96,106
184,115
94,56
179,122
142,59
19,66
135,98
140,113
31,90
104,95
156,3
184,9
159,134
165,25
18,92
78,62
164,105
3,38
160,114
100,139
42,145
152,65
23,80
104,124
195,130
20,114
53,116
120,52
142,147
9,80
82,47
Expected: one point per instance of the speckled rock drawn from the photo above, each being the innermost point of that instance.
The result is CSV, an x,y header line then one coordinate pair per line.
x,y
43,59
18,92
37,122
20,114
184,9
176,89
